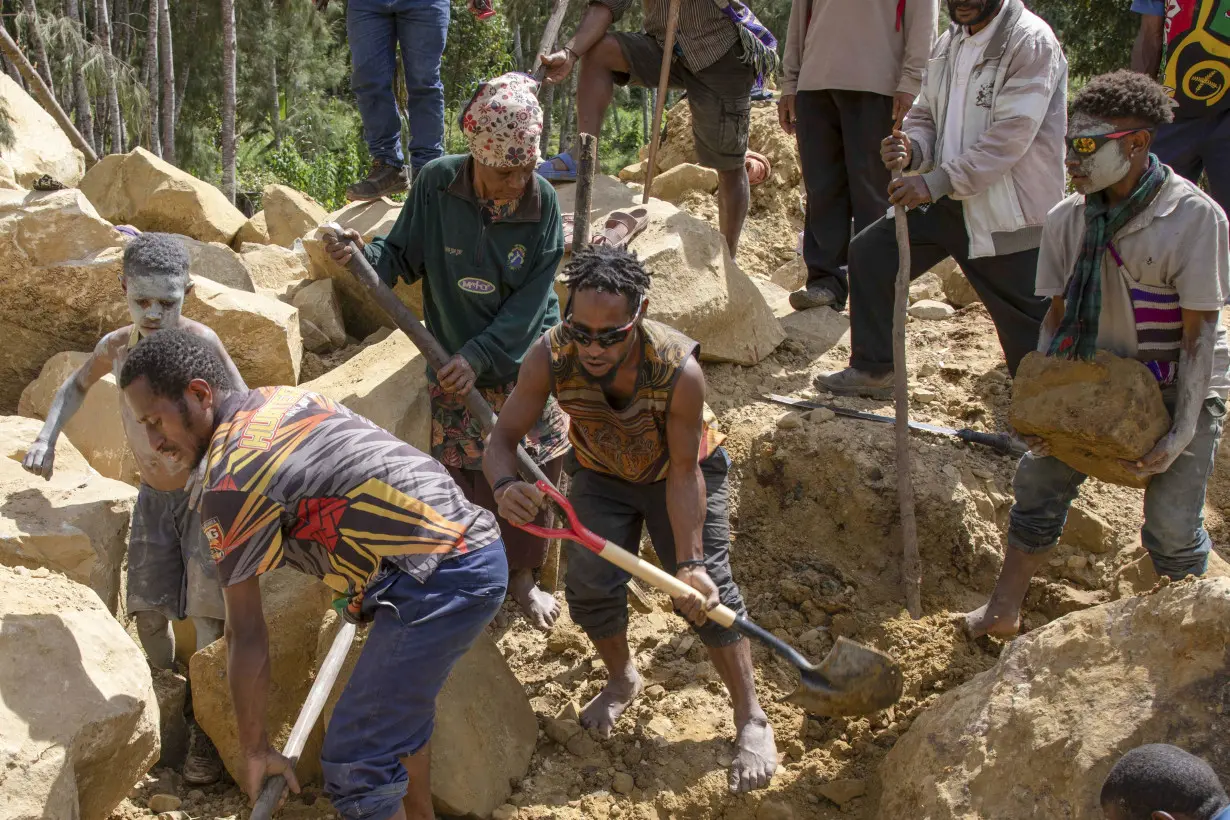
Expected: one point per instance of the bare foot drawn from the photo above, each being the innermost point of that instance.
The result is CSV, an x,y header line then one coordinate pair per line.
x,y
542,609
618,694
986,621
756,761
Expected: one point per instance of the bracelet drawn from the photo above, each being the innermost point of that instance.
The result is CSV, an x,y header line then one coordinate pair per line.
x,y
575,56
689,562
504,482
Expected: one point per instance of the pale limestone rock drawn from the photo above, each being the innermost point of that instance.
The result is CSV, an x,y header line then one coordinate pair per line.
x,y
318,306
290,214
274,267
255,231
676,183
260,334
930,309
218,263
958,292
928,286
40,147
792,275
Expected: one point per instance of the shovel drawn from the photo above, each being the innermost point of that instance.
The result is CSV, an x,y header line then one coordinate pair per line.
x,y
853,679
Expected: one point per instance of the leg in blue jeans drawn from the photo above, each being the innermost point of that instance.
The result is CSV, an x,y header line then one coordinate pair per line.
x,y
422,30
371,30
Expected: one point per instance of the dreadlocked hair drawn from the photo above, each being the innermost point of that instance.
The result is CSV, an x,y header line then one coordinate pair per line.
x,y
609,270
1125,94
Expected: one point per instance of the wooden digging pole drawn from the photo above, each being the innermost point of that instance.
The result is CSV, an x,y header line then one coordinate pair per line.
x,y
664,80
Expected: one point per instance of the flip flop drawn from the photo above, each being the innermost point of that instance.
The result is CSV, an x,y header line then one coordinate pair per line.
x,y
548,171
758,167
622,227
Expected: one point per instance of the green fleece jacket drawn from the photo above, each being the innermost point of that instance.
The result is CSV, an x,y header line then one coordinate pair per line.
x,y
488,287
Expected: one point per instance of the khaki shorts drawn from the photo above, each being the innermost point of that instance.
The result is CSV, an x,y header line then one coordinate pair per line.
x,y
169,567
719,96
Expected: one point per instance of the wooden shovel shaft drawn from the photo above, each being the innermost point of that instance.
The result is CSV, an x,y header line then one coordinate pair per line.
x,y
317,696
911,564
664,79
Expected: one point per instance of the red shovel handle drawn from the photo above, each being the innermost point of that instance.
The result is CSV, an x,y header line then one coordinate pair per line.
x,y
576,531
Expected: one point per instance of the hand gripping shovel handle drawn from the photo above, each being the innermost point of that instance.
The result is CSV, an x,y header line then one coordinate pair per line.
x,y
271,792
655,577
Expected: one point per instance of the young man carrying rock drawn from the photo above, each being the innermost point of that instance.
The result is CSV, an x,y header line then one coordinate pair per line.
x,y
486,237
1136,263
986,138
170,574
644,455
1163,782
849,70
292,478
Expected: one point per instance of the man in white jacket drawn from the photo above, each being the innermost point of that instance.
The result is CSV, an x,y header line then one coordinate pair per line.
x,y
986,138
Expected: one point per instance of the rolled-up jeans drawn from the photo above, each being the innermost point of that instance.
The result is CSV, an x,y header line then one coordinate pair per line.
x,y
1173,531
374,28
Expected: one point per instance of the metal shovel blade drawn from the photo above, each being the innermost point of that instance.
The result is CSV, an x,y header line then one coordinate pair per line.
x,y
852,680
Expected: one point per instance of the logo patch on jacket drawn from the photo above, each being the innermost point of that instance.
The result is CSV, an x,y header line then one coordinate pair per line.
x,y
516,257
472,284
214,535
453,251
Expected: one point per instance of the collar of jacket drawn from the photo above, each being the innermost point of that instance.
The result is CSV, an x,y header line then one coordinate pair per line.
x,y
998,43
529,209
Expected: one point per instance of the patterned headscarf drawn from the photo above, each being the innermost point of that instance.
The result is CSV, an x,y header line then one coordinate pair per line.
x,y
503,121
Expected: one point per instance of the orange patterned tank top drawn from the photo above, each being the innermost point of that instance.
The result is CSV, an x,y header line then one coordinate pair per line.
x,y
629,443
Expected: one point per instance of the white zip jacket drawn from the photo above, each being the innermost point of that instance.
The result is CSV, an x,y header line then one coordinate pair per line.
x,y
1012,173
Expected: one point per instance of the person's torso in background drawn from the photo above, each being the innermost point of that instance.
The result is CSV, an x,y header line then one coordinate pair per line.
x,y
1197,73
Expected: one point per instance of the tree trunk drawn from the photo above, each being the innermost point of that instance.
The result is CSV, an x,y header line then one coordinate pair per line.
x,y
181,82
120,30
103,29
228,99
646,104
149,72
275,102
170,105
548,104
37,47
518,55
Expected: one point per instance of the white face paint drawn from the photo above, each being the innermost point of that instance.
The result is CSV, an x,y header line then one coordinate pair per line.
x,y
1105,166
155,302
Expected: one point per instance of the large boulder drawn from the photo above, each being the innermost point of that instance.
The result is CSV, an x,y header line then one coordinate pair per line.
x,y
676,183
1092,413
360,312
274,268
40,147
254,231
218,263
78,717
697,288
261,334
140,189
1036,735
96,429
387,383
290,214
76,523
320,316
372,218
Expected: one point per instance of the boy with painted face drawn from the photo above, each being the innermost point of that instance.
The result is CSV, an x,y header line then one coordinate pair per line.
x,y
170,574
1136,262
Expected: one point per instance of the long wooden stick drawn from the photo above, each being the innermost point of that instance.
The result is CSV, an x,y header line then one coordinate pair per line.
x,y
664,80
586,163
911,563
271,792
549,35
44,96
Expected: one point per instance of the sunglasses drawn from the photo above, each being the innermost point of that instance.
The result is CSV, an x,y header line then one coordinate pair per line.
x,y
1084,146
606,338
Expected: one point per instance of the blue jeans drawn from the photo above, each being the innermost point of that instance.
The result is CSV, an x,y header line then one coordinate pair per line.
x,y
1196,144
388,708
1173,531
374,29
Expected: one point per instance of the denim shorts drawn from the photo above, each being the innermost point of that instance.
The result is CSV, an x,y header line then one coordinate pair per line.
x,y
388,709
170,570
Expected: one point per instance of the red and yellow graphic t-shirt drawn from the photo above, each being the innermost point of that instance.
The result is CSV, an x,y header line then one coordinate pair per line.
x,y
293,478
1197,71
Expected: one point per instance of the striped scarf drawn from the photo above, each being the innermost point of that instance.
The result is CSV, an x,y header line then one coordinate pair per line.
x,y
1077,336
759,44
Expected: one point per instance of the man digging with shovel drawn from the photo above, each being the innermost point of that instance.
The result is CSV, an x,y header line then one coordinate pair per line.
x,y
644,454
1136,263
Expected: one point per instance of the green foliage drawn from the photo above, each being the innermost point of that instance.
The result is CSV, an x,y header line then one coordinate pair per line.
x,y
1097,35
322,176
7,138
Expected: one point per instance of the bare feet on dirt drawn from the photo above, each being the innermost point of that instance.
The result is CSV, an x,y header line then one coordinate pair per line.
x,y
618,694
539,607
985,621
756,760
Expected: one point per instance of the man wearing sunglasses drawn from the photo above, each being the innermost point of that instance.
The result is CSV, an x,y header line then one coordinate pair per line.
x,y
1136,263
643,454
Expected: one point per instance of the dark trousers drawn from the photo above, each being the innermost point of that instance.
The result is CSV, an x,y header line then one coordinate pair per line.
x,y
1004,283
1190,146
839,134
525,551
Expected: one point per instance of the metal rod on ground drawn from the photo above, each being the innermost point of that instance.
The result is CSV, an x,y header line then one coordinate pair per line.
x,y
664,79
549,34
44,96
271,792
911,564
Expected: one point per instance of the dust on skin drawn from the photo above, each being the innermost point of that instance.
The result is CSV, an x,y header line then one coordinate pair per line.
x,y
1105,166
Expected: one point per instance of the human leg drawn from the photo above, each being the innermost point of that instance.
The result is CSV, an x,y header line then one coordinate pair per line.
x,y
1178,144
1214,157
422,31
156,576
157,639
372,35
1044,488
601,67
1173,531
866,119
386,713
734,196
1005,284
596,591
730,652
826,228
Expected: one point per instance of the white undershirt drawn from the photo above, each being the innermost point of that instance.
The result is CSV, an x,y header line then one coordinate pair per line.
x,y
968,54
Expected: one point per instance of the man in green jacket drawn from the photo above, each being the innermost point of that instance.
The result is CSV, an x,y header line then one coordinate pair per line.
x,y
485,236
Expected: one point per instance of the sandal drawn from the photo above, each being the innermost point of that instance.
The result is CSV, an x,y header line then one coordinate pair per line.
x,y
548,171
758,167
622,227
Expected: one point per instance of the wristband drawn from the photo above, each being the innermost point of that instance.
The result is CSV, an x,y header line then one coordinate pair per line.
x,y
689,562
575,56
504,482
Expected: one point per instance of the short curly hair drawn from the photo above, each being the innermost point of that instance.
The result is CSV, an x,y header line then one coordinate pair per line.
x,y
609,270
1160,777
1125,95
156,254
171,359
